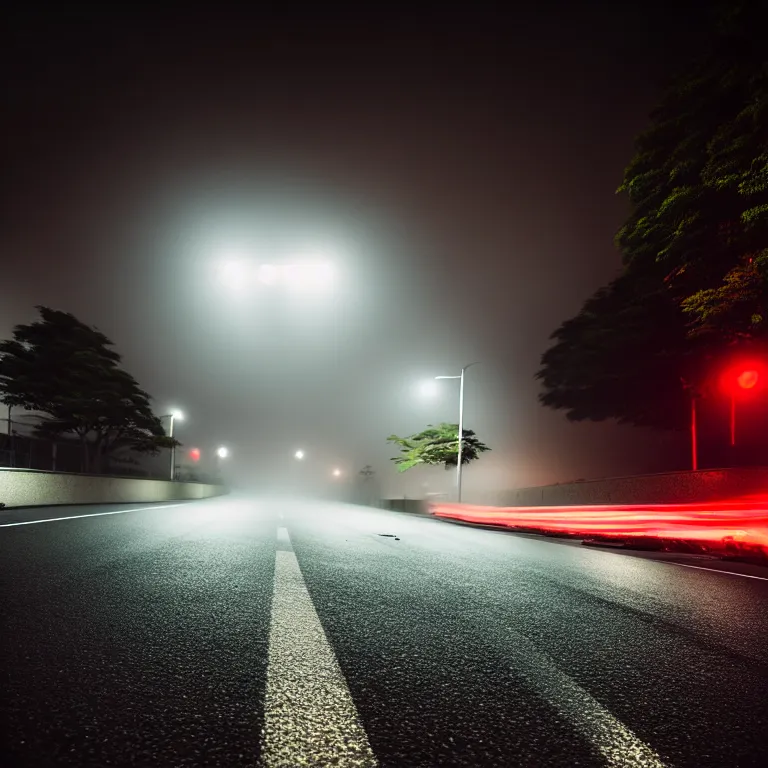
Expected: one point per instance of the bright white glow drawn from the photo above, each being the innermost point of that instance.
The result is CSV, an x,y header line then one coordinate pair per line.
x,y
268,274
308,275
222,452
429,388
177,415
337,473
235,274
299,454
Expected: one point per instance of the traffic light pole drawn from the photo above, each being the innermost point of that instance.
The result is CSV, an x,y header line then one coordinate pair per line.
x,y
694,435
733,420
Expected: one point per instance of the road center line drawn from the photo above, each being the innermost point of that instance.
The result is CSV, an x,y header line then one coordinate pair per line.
x,y
309,715
93,514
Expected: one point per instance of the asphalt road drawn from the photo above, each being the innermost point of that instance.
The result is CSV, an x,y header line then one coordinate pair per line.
x,y
244,632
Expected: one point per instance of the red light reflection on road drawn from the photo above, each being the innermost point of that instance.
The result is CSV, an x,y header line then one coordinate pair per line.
x,y
746,519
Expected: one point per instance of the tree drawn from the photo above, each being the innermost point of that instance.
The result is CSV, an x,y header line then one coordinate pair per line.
x,y
435,446
69,372
694,278
698,184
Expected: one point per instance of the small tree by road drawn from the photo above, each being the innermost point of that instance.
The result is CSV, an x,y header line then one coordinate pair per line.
x,y
436,446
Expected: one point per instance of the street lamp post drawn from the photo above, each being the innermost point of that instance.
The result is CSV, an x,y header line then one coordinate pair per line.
x,y
460,449
172,416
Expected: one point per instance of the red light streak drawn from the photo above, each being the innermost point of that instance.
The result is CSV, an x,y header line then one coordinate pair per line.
x,y
746,520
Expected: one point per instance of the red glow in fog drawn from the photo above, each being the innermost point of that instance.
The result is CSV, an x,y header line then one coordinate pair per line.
x,y
748,379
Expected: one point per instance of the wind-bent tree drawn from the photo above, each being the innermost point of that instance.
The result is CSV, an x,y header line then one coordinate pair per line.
x,y
69,372
694,282
435,446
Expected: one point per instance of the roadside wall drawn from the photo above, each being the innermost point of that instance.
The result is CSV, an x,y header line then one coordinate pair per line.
x,y
34,487
667,488
416,506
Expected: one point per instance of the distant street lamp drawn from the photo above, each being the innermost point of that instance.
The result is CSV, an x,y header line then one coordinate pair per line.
x,y
299,455
461,426
222,452
337,473
173,416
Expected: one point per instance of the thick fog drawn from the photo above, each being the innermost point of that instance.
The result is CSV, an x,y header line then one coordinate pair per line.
x,y
457,176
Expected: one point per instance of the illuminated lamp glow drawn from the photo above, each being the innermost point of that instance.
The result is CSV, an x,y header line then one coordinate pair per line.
x,y
194,454
268,274
308,275
234,274
429,388
748,379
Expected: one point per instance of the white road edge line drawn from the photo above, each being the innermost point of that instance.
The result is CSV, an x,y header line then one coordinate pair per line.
x,y
94,514
309,715
717,570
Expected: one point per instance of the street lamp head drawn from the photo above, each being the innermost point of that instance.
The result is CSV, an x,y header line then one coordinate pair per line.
x,y
299,454
178,415
337,473
222,452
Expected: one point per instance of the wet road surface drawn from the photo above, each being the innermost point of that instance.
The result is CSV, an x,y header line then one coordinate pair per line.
x,y
247,632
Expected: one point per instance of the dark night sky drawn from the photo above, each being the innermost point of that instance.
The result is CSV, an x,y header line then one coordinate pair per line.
x,y
460,168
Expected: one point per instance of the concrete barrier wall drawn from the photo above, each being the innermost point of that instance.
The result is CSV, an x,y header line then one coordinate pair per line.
x,y
30,487
667,488
415,506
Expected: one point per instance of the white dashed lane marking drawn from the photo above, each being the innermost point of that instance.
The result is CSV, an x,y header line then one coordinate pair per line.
x,y
309,715
310,718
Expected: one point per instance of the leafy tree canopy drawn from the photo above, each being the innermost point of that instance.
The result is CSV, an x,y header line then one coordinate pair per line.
x,y
698,184
694,282
437,445
69,372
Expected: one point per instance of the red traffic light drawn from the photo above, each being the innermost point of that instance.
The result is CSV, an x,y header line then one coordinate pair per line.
x,y
194,454
744,378
748,379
